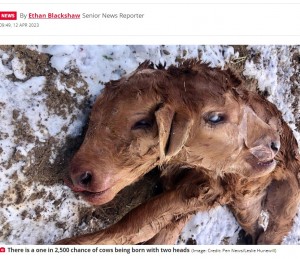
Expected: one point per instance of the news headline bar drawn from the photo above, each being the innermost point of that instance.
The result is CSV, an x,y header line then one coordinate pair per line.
x,y
190,22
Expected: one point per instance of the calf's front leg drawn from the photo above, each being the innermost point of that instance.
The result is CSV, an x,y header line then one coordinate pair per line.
x,y
144,222
170,233
282,203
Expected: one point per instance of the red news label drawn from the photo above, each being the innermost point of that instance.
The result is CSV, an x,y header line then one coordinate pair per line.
x,y
8,15
2,249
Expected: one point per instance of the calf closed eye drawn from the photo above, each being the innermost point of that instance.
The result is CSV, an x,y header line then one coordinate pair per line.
x,y
142,124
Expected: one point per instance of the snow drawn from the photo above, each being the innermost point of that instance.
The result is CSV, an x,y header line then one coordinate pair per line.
x,y
19,68
207,228
97,65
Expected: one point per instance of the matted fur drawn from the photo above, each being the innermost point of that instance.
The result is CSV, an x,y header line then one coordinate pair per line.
x,y
216,143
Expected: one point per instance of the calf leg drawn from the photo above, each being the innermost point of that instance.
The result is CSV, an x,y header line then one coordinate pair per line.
x,y
281,202
142,223
169,235
247,216
194,193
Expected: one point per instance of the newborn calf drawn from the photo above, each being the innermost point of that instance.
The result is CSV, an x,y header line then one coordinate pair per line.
x,y
216,143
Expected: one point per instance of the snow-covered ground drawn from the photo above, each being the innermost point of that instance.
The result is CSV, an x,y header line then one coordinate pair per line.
x,y
45,96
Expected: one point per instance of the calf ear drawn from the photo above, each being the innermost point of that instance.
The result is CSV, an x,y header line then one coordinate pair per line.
x,y
174,129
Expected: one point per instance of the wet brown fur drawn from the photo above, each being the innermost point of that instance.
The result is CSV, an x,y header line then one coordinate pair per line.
x,y
203,165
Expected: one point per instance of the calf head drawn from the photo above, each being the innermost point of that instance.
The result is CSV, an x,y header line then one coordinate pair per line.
x,y
231,133
129,133
190,115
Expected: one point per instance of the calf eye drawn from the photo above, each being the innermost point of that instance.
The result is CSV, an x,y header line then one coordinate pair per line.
x,y
142,124
215,118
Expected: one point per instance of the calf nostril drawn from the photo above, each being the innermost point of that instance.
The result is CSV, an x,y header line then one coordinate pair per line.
x,y
85,178
275,146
